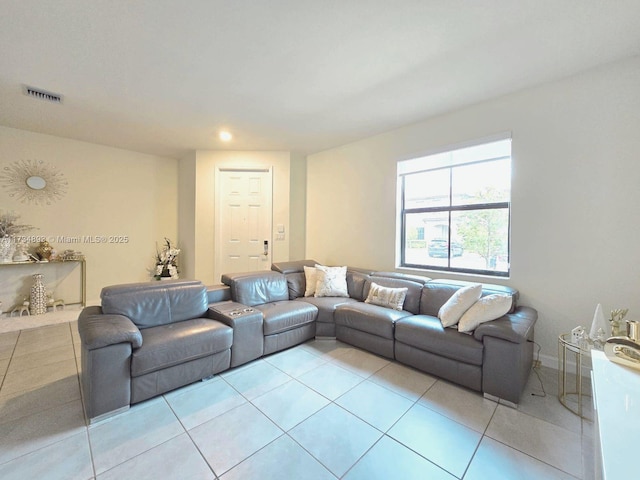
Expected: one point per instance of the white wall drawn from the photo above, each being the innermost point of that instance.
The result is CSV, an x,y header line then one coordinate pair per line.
x,y
187,214
298,207
575,191
111,192
200,199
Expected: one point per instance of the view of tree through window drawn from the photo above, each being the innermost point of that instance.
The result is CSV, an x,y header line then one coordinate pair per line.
x,y
455,210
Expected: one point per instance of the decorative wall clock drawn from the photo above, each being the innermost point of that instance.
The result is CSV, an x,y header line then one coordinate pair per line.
x,y
33,181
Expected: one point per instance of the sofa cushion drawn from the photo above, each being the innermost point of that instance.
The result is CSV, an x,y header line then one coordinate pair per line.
x,y
404,276
368,318
151,304
168,345
461,301
386,297
296,284
256,288
293,266
356,281
425,332
484,310
294,271
326,306
434,296
282,316
411,301
331,282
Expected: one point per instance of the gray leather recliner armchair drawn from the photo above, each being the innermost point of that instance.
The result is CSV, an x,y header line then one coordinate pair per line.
x,y
147,339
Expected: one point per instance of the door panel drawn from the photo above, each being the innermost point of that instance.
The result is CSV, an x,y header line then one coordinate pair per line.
x,y
243,220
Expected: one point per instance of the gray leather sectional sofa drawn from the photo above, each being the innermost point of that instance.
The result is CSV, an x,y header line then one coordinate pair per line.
x,y
149,338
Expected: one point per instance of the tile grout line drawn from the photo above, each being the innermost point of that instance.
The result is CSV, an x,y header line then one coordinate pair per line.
x,y
386,434
77,357
188,433
13,351
332,360
84,431
529,455
484,434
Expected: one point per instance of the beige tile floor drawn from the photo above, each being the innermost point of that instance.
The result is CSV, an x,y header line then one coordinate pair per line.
x,y
319,410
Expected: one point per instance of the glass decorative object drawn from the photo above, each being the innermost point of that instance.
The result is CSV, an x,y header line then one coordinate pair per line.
x,y
20,254
38,298
598,323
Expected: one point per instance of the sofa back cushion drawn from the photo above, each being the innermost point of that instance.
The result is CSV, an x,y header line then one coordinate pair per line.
x,y
294,273
414,289
404,276
294,266
356,281
436,293
151,304
296,284
296,281
256,288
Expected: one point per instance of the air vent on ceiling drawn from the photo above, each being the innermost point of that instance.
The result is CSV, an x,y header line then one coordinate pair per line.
x,y
42,94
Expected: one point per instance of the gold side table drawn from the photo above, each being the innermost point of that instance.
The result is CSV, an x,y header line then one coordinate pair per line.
x,y
570,390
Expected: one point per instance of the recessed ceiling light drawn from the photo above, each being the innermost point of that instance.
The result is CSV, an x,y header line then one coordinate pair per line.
x,y
225,136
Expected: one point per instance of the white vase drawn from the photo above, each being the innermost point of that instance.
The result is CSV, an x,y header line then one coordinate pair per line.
x,y
38,298
6,249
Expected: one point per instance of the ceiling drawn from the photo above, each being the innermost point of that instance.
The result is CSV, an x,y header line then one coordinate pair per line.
x,y
164,76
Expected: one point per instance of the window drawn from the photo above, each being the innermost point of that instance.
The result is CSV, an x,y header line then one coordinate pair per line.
x,y
455,210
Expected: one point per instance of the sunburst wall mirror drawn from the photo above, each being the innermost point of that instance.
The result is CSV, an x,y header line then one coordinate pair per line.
x,y
33,181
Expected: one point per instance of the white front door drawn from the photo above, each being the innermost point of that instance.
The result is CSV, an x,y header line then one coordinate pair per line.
x,y
243,220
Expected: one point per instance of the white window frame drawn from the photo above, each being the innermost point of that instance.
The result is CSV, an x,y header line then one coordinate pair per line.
x,y
450,158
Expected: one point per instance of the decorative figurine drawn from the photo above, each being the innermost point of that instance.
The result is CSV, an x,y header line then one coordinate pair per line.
x,y
44,251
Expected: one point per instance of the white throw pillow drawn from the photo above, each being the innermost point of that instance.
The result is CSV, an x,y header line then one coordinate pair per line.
x,y
310,277
331,281
386,297
486,309
461,301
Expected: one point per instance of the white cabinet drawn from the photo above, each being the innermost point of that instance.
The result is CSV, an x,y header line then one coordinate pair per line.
x,y
617,404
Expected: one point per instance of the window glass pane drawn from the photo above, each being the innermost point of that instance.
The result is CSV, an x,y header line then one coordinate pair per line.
x,y
484,182
426,189
431,226
484,237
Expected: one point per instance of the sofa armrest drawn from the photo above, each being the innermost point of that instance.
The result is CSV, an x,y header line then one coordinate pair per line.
x,y
98,330
508,353
516,327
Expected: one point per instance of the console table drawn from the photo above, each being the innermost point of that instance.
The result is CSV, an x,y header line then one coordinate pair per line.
x,y
83,274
